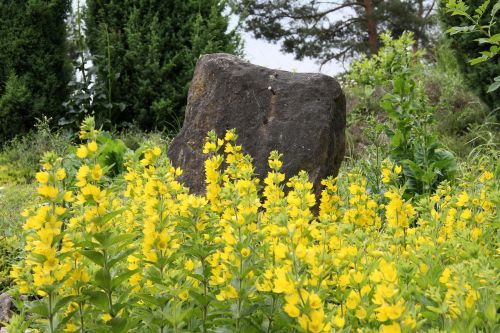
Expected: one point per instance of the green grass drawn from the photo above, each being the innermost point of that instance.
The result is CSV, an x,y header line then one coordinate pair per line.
x,y
13,199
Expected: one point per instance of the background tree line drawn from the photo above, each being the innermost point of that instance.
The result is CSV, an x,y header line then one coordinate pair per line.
x,y
126,61
130,62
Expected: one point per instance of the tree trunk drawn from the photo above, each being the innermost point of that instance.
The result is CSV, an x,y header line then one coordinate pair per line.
x,y
419,29
371,26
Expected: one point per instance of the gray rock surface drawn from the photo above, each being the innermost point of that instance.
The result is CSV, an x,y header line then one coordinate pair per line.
x,y
300,115
5,307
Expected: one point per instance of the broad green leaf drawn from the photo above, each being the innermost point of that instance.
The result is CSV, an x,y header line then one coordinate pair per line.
x,y
122,277
95,256
494,86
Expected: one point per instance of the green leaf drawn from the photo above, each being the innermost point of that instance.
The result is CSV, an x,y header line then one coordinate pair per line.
x,y
40,308
478,60
39,258
118,324
114,260
98,299
119,239
103,279
62,302
495,9
460,30
122,277
434,309
95,256
494,86
109,216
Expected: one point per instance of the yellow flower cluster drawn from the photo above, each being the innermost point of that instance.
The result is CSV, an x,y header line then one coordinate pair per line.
x,y
142,253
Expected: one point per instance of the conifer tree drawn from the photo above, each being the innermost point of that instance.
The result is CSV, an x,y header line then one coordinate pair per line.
x,y
146,51
337,29
34,66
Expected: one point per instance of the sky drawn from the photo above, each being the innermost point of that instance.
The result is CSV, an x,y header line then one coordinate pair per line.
x,y
263,53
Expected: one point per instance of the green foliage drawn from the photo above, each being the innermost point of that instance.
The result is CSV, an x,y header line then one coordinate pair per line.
x,y
20,157
34,70
14,102
475,35
425,161
145,53
463,120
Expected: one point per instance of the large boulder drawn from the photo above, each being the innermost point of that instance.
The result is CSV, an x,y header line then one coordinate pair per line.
x,y
300,115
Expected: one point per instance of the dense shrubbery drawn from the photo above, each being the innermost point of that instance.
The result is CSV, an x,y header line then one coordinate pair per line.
x,y
459,119
139,253
475,37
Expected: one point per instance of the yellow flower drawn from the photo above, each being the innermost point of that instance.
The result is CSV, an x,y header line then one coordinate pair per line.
x,y
445,276
388,271
189,265
47,191
92,146
292,310
393,328
410,322
463,198
339,321
245,252
315,301
300,251
183,295
156,151
97,172
42,177
353,300
60,174
68,196
106,317
230,136
280,251
386,175
361,313
82,152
